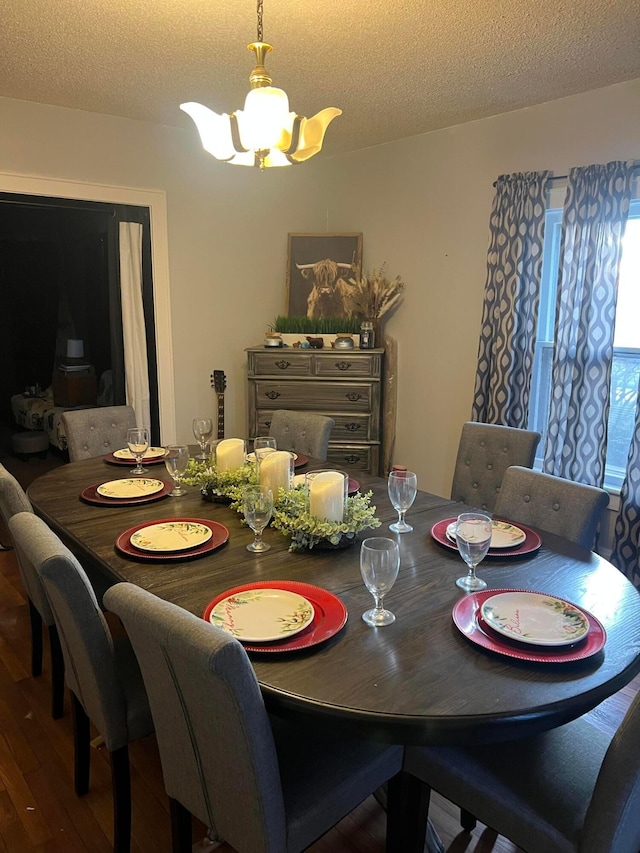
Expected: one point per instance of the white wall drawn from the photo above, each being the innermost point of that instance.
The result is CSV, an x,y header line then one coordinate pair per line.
x,y
422,204
227,233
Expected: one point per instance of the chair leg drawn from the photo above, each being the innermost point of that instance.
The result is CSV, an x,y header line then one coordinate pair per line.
x,y
407,813
467,820
181,836
81,743
36,640
121,784
57,674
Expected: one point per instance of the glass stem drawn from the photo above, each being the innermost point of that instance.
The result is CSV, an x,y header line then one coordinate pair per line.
x,y
401,513
378,600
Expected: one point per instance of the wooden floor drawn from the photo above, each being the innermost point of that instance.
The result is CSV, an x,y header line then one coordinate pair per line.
x,y
39,810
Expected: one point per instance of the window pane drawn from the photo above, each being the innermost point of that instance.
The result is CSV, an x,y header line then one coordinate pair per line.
x,y
625,371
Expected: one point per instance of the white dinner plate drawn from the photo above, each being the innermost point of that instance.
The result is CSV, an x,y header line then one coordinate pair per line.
x,y
262,615
133,488
150,453
503,534
171,536
535,618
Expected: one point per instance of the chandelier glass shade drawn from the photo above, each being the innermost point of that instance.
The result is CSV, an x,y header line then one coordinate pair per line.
x,y
265,133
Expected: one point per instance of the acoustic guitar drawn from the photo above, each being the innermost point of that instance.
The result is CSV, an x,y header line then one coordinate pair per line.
x,y
219,383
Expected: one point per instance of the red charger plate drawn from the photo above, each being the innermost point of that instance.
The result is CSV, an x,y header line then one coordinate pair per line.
x,y
530,544
468,620
113,460
330,615
300,461
91,496
219,537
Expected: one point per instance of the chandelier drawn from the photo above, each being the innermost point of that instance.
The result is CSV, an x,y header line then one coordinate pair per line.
x,y
265,133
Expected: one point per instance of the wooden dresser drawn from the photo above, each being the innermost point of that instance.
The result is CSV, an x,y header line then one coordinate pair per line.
x,y
344,384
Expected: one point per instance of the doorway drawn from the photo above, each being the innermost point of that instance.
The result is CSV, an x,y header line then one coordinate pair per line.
x,y
156,202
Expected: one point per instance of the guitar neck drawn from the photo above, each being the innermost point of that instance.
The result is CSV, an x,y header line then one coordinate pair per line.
x,y
220,414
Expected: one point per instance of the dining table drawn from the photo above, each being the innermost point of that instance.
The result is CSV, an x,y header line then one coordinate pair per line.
x,y
427,679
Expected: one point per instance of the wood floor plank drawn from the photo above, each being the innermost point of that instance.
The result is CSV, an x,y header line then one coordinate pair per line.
x,y
21,795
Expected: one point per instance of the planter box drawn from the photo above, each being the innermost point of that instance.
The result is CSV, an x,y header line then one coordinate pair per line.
x,y
291,339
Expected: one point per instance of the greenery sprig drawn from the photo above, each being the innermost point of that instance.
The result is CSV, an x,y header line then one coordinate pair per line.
x,y
291,516
223,484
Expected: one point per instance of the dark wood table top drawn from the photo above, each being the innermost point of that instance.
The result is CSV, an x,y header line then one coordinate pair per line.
x,y
416,681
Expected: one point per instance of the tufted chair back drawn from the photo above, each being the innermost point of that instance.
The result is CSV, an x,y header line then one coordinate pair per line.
x,y
572,510
484,454
302,432
96,432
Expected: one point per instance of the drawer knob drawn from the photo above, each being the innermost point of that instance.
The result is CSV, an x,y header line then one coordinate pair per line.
x,y
353,427
282,364
353,396
272,395
351,459
343,365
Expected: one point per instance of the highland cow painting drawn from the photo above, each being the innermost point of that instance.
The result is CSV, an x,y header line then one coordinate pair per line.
x,y
318,267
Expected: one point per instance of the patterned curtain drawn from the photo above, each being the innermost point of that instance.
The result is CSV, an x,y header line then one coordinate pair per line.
x,y
511,299
626,542
593,224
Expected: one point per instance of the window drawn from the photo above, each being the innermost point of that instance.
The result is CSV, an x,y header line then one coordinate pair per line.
x,y
626,346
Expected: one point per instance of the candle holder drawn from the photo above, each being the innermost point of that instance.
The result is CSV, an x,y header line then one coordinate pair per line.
x,y
275,471
292,517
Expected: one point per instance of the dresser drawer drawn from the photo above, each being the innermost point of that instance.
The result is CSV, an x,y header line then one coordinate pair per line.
x,y
347,365
320,397
354,428
361,457
270,363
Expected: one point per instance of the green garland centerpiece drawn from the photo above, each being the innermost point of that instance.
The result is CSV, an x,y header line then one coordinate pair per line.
x,y
291,516
220,484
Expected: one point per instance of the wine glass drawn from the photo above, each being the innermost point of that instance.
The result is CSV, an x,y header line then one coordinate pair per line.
x,y
473,537
402,487
379,564
138,443
203,430
262,445
257,506
176,462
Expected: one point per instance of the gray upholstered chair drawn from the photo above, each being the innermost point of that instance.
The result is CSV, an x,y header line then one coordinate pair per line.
x,y
485,452
572,510
12,501
302,432
263,785
101,671
573,789
98,431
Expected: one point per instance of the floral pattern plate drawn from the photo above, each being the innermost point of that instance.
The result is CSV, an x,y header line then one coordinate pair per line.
x,y
467,617
330,615
531,543
91,496
150,453
166,536
534,618
262,615
219,536
135,487
503,534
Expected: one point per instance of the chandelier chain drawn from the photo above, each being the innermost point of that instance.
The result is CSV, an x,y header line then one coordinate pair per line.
x,y
259,20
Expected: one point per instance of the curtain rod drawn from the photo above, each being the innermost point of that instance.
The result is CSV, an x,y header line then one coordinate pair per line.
x,y
635,168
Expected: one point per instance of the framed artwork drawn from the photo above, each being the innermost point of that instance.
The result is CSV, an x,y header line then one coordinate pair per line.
x,y
317,267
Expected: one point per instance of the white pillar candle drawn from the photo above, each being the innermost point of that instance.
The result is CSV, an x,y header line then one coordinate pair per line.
x,y
230,454
276,471
326,495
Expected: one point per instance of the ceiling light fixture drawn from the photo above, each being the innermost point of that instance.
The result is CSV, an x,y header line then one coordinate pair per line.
x,y
265,133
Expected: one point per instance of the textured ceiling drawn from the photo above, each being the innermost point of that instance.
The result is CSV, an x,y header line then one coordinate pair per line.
x,y
395,68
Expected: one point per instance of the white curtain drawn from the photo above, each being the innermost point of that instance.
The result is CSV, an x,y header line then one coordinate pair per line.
x,y
133,327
